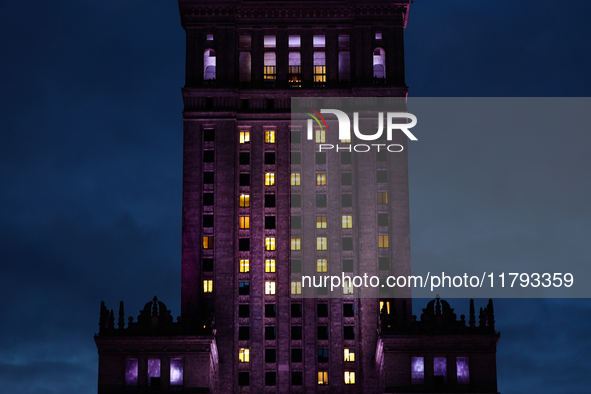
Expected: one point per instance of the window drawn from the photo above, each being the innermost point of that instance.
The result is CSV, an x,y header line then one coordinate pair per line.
x,y
378,35
269,288
270,379
347,200
244,137
208,286
296,266
379,63
207,242
295,179
347,265
154,371
243,355
463,370
320,200
294,41
344,41
244,222
269,200
296,287
269,41
270,310
243,310
345,157
320,136
296,378
296,243
270,137
296,200
207,220
245,67
244,200
345,68
296,354
382,177
321,243
176,371
269,158
382,241
322,311
294,73
349,355
322,332
385,307
382,155
209,60
322,355
349,377
321,179
244,158
269,179
269,265
384,263
209,37
208,156
295,138
269,72
209,135
348,310
349,332
347,243
439,370
269,222
208,177
320,221
296,333
207,199
382,197
346,179
243,333
270,354
346,140
296,310
131,367
244,289
321,265
243,379
295,158
319,69
319,41
244,179
244,41
347,287
347,221
244,244
321,158
382,219
296,222
322,378
208,265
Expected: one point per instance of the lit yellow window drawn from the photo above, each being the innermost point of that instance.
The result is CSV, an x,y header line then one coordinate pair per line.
x,y
207,242
269,243
244,200
243,355
321,179
320,136
269,265
244,265
346,141
270,288
349,377
207,286
347,287
269,179
296,287
244,222
270,137
320,221
321,265
244,137
387,304
321,243
347,221
382,197
350,355
323,377
296,243
295,178
382,241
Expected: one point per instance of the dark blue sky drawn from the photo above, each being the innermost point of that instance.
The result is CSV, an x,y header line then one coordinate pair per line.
x,y
90,175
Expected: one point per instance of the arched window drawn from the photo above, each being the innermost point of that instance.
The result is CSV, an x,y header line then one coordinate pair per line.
x,y
209,64
379,63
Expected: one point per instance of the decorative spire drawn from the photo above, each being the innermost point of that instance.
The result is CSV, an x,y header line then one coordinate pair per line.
x,y
472,315
155,307
121,316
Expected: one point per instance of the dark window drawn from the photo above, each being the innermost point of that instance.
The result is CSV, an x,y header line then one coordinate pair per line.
x,y
382,155
270,379
347,200
207,199
245,158
208,177
270,222
382,177
244,244
270,310
347,265
269,157
345,157
296,332
349,332
322,332
296,222
270,333
296,266
322,355
296,378
383,286
296,158
322,310
348,244
346,179
208,265
244,310
296,310
320,157
208,135
244,288
322,290
244,333
208,156
384,263
295,137
348,310
382,219
270,355
207,220
296,200
269,201
320,200
243,379
244,179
